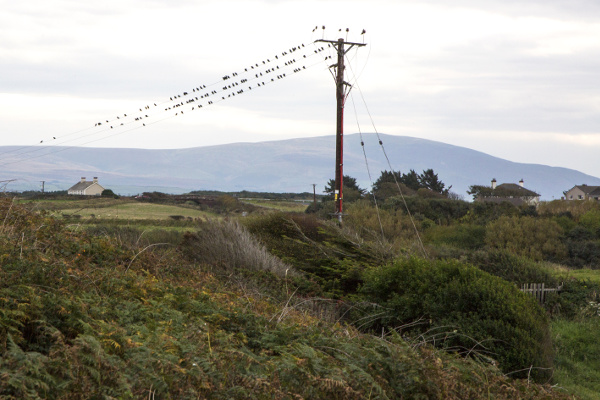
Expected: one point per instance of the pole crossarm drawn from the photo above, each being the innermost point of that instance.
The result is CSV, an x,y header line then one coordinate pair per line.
x,y
336,42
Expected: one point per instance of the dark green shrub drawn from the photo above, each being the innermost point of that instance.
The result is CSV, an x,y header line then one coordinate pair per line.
x,y
512,268
441,211
573,298
471,311
320,250
468,237
482,213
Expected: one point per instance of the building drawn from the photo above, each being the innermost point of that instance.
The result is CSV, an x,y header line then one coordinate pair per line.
x,y
583,192
508,192
86,188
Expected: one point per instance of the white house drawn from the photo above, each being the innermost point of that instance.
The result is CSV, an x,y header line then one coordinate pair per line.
x,y
583,192
86,188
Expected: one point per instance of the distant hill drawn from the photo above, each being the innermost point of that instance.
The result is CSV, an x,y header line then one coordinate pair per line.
x,y
277,166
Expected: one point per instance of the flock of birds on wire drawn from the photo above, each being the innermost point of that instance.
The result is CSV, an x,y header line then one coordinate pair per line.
x,y
259,74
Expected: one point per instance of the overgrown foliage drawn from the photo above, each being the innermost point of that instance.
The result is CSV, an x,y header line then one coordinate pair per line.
x,y
464,309
85,316
535,238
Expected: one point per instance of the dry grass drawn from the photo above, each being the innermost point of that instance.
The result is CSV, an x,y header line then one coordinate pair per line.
x,y
228,244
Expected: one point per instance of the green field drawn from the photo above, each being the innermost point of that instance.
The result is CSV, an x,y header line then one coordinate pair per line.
x,y
129,209
591,274
135,211
285,206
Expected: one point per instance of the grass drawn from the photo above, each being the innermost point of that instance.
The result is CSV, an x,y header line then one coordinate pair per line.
x,y
64,204
583,274
123,209
580,274
577,346
285,206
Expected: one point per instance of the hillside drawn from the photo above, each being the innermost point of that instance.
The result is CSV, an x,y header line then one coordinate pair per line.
x,y
277,166
102,315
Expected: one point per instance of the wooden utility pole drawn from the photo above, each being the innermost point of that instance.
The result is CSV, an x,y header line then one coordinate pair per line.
x,y
341,94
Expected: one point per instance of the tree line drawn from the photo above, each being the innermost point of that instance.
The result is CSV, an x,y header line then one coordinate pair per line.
x,y
392,183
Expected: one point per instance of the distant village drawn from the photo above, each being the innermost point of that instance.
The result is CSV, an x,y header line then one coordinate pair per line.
x,y
518,194
513,193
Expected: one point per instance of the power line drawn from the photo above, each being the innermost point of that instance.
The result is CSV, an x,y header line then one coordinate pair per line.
x,y
269,70
420,241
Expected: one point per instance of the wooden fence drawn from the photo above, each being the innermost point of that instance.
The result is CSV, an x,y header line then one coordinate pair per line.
x,y
538,290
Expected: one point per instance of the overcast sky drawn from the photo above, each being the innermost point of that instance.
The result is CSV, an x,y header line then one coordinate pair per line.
x,y
514,79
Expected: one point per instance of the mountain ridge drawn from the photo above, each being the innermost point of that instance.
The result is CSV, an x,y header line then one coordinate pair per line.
x,y
290,165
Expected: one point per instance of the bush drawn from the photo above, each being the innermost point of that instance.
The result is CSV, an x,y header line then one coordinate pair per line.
x,y
482,213
512,268
465,236
321,250
591,220
441,211
573,298
464,309
535,238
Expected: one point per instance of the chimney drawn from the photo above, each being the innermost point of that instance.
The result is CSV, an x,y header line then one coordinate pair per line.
x,y
521,182
493,183
95,179
82,179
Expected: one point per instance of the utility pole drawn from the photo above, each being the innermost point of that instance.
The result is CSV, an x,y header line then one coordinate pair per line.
x,y
315,195
341,94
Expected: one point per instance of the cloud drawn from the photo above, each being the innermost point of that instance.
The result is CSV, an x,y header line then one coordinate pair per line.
x,y
468,72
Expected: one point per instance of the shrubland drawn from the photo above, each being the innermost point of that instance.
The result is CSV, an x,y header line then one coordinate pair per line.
x,y
282,305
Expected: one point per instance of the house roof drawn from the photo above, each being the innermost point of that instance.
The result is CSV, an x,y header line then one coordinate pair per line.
x,y
587,189
512,189
83,185
595,192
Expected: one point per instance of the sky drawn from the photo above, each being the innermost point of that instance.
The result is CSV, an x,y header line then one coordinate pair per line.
x,y
518,80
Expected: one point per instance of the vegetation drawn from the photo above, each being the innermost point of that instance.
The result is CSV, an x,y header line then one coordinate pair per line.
x,y
487,316
350,190
387,183
416,298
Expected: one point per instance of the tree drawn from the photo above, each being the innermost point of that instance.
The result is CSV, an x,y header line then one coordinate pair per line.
x,y
411,180
386,177
350,190
427,180
387,185
108,193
